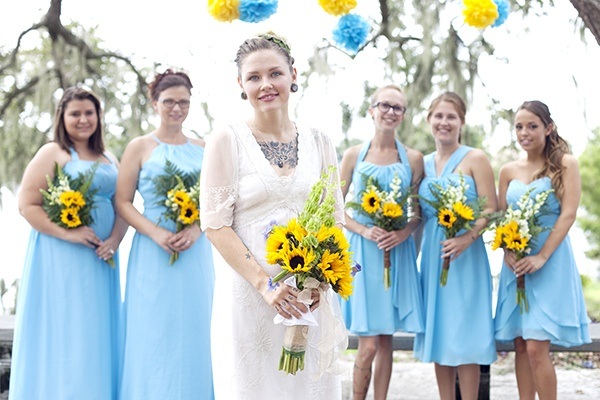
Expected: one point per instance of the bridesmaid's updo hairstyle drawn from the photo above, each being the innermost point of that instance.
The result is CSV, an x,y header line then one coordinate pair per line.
x,y
61,136
266,41
554,150
166,80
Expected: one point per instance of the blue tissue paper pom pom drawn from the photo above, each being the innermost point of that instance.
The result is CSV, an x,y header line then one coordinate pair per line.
x,y
351,32
257,10
503,10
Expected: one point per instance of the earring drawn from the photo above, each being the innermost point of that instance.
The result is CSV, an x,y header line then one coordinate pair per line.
x,y
244,96
294,88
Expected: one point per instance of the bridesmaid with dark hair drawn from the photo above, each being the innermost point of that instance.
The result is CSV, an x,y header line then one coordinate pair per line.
x,y
167,351
557,313
66,333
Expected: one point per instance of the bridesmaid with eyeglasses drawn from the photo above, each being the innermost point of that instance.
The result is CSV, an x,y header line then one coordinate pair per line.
x,y
170,276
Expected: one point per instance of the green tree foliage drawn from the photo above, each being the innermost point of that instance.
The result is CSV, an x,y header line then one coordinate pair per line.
x,y
47,58
421,45
589,164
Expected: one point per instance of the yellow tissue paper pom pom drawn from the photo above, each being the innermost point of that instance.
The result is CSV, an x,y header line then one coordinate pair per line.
x,y
337,7
224,10
480,13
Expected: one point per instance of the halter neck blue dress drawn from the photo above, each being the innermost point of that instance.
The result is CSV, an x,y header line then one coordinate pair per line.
x,y
556,305
66,332
167,351
372,310
459,327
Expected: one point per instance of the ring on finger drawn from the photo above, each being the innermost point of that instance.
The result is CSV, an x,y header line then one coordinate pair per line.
x,y
111,251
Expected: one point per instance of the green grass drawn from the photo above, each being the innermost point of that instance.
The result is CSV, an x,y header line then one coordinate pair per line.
x,y
591,292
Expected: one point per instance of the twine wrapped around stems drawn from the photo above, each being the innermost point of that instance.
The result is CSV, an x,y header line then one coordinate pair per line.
x,y
294,348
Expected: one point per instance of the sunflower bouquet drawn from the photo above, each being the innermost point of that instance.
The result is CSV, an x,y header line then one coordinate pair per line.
x,y
387,209
68,201
315,253
516,231
454,212
179,192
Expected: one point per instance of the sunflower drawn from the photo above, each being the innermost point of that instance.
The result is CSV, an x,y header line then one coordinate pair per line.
x,y
446,218
324,233
70,217
295,231
498,234
370,201
326,266
463,211
513,238
180,197
277,244
344,286
392,210
298,259
72,198
341,242
189,213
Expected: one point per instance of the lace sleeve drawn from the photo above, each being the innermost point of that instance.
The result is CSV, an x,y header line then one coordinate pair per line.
x,y
218,181
329,157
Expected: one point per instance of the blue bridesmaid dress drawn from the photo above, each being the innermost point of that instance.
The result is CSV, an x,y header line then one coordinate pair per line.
x,y
66,331
167,310
556,305
459,327
372,310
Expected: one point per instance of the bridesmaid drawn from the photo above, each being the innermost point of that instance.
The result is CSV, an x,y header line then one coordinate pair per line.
x,y
372,312
550,268
168,308
66,333
459,330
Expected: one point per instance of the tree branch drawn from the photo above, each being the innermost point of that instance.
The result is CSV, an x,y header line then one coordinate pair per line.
x,y
589,12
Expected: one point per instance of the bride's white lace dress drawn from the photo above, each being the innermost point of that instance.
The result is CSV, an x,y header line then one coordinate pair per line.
x,y
242,190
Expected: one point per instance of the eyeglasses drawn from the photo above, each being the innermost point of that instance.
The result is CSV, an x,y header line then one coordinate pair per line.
x,y
170,103
385,107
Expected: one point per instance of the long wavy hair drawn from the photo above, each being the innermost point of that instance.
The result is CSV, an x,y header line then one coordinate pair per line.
x,y
554,150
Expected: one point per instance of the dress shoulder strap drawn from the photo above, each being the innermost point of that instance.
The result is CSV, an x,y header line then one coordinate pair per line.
x,y
363,153
403,156
74,154
429,164
156,139
455,159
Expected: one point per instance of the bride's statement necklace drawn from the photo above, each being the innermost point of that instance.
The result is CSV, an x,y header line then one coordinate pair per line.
x,y
277,156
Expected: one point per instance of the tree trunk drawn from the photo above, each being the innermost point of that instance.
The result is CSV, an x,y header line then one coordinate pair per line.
x,y
589,12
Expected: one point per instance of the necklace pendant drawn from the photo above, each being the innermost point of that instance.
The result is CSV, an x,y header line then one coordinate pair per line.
x,y
280,164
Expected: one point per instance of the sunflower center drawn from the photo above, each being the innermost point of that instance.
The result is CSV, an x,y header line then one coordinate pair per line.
x,y
296,261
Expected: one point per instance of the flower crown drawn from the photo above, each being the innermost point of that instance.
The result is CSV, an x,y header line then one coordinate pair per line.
x,y
278,41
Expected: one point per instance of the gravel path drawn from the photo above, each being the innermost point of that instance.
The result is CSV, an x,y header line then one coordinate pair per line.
x,y
413,380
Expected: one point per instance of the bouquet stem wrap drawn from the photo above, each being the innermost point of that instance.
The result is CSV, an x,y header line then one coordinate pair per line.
x,y
294,347
387,280
445,269
521,296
